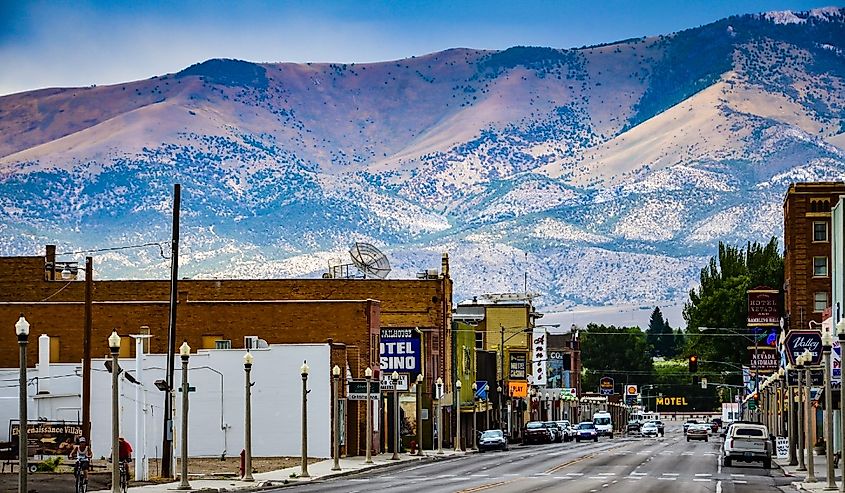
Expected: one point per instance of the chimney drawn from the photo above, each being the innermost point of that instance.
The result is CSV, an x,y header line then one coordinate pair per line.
x,y
50,260
444,264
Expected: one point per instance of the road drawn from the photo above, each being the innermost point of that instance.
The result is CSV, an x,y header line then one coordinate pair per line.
x,y
667,464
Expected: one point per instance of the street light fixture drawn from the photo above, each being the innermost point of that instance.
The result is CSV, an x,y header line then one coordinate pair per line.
x,y
419,414
303,371
438,393
394,377
22,331
457,400
335,421
368,374
474,409
184,353
248,361
114,346
799,368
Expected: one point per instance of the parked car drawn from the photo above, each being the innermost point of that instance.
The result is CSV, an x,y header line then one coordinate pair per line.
x,y
649,429
698,431
661,428
633,426
556,430
492,440
747,443
688,423
537,432
587,431
568,430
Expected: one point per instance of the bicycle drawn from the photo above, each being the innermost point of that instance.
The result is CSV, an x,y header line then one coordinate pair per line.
x,y
124,475
80,477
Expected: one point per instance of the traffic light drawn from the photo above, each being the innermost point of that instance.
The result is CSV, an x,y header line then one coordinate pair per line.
x,y
693,363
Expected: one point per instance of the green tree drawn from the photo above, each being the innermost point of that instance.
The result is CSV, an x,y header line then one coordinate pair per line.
x,y
619,352
654,333
720,301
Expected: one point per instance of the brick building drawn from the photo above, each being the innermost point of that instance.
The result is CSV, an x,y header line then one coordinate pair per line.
x,y
348,313
807,255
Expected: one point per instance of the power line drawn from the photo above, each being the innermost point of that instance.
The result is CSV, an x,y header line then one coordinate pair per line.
x,y
111,249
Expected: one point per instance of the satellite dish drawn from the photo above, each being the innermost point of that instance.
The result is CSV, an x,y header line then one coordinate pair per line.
x,y
369,260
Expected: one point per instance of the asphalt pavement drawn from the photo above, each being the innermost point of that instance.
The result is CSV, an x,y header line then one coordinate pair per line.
x,y
624,464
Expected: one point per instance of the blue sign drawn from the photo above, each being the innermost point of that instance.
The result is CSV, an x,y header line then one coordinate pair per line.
x,y
798,341
400,350
481,390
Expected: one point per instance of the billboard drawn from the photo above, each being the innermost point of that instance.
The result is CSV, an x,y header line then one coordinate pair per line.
x,y
539,357
554,379
46,437
606,386
763,358
400,350
798,341
763,307
517,366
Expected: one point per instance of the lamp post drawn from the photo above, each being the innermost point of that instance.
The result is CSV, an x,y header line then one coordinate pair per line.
x,y
501,402
184,353
335,421
368,374
840,331
394,377
474,409
22,331
810,432
827,344
114,346
791,418
458,414
419,415
548,406
248,360
438,394
799,368
303,370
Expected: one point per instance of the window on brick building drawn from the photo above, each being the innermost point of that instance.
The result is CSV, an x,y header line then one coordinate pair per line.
x,y
55,349
479,340
820,231
223,344
820,301
210,341
819,266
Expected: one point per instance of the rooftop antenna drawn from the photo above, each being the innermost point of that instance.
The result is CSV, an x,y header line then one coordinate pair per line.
x,y
369,260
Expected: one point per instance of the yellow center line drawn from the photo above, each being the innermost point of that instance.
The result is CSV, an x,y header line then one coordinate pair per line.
x,y
488,486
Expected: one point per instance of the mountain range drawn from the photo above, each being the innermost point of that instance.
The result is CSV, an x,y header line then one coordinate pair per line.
x,y
606,173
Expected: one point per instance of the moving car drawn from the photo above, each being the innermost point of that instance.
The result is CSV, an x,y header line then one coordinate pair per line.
x,y
649,429
633,426
568,430
604,424
688,423
747,443
587,431
537,432
661,428
698,431
492,440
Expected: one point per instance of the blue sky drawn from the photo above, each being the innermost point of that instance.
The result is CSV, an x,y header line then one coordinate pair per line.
x,y
64,43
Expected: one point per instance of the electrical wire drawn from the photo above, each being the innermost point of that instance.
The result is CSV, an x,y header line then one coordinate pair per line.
x,y
111,249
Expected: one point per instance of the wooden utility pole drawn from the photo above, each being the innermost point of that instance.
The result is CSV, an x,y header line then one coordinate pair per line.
x,y
86,349
167,436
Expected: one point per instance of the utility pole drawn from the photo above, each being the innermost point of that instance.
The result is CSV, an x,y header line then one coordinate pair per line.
x,y
167,435
86,349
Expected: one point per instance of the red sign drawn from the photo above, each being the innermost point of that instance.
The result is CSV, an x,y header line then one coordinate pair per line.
x,y
763,307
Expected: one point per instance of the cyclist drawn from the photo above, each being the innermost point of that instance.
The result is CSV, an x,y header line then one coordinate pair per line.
x,y
124,451
82,453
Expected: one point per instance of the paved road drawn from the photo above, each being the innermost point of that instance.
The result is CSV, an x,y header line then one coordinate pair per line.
x,y
667,464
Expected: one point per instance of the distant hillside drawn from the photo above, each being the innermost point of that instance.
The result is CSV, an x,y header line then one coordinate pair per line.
x,y
607,173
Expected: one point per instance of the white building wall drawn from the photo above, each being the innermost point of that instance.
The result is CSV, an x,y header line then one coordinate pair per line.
x,y
216,418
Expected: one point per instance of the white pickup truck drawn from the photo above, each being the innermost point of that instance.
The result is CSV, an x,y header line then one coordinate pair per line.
x,y
747,443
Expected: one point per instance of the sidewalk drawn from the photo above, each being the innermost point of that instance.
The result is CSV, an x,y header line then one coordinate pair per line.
x,y
317,470
820,472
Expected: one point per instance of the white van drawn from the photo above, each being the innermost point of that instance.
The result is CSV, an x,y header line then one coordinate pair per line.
x,y
603,423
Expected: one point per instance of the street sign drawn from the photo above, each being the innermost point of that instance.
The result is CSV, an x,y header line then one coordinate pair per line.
x,y
356,390
191,388
606,386
518,390
798,341
752,404
481,390
836,364
387,382
816,378
782,447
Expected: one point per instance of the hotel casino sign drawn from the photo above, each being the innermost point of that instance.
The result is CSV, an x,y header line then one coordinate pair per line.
x,y
763,307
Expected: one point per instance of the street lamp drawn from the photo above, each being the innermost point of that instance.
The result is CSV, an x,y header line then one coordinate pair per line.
x,y
809,433
548,406
840,331
394,377
184,353
419,414
303,371
474,409
335,421
22,331
114,346
248,360
458,413
791,418
368,374
827,344
438,393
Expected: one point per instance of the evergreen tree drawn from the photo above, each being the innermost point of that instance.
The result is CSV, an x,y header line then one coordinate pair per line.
x,y
656,326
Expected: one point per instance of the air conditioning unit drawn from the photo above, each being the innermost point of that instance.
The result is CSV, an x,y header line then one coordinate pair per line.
x,y
432,273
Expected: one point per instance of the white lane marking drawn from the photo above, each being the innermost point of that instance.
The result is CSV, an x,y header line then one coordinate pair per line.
x,y
737,475
447,476
639,474
562,477
595,477
702,479
740,482
480,475
667,479
719,487
571,474
511,474
688,453
704,474
634,477
607,474
359,479
671,474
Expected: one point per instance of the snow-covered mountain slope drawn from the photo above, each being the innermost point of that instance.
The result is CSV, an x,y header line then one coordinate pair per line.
x,y
607,173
